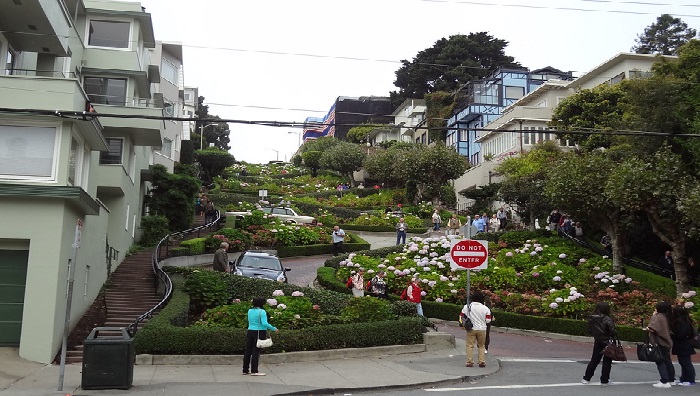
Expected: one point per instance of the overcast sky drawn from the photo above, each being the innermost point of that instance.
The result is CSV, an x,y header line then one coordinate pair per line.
x,y
282,60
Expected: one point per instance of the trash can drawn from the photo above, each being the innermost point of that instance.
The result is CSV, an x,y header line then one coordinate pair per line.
x,y
108,361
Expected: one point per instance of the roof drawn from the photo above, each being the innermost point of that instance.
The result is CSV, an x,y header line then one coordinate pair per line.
x,y
619,58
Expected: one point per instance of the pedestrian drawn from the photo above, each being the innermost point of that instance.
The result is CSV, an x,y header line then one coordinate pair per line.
x,y
203,200
479,223
437,220
361,186
602,328
660,326
666,264
453,225
257,330
209,212
358,283
401,229
378,287
221,258
578,231
682,332
553,219
338,239
198,205
502,217
413,294
606,242
485,216
494,224
692,271
480,315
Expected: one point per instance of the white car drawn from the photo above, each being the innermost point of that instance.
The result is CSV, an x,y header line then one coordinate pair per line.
x,y
287,215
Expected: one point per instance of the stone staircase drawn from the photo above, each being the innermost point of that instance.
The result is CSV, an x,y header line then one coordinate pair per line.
x,y
130,294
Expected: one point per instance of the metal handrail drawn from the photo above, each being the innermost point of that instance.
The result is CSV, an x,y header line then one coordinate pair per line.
x,y
162,276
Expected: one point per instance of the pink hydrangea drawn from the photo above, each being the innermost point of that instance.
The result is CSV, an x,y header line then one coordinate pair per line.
x,y
297,294
277,293
271,302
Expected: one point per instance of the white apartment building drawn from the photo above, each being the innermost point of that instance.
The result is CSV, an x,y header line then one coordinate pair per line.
x,y
69,181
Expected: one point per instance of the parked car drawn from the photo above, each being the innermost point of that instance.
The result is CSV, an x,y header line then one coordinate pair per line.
x,y
284,214
256,264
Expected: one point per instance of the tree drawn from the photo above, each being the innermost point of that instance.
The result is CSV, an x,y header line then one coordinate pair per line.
x,y
598,108
360,134
382,164
312,160
525,178
320,144
432,168
213,161
664,37
449,64
218,134
344,158
173,196
577,183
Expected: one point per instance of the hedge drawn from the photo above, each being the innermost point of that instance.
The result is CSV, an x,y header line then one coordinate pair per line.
x,y
381,252
194,245
372,228
164,333
355,244
652,281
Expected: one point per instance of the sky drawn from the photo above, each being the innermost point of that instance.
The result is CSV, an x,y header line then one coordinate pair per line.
x,y
282,60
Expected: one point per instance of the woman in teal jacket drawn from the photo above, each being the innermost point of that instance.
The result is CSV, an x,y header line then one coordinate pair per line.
x,y
257,329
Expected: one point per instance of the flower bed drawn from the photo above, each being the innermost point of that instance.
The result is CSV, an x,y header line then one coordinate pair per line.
x,y
548,277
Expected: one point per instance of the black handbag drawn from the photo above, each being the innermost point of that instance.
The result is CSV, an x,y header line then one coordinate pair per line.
x,y
465,321
615,351
695,339
650,352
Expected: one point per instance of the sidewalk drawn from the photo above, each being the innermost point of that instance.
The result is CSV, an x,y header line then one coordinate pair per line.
x,y
336,374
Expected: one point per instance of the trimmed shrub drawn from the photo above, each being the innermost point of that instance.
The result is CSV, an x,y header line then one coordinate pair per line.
x,y
195,245
381,228
356,244
154,228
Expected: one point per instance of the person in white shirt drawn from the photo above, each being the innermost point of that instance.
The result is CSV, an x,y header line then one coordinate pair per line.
x,y
480,316
338,238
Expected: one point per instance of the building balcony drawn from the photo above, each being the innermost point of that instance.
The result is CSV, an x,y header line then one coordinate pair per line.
x,y
112,63
113,181
40,90
41,26
142,132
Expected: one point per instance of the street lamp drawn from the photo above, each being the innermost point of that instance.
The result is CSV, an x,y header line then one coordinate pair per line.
x,y
278,154
299,133
201,135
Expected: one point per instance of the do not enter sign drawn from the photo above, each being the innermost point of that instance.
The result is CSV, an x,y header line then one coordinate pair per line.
x,y
469,254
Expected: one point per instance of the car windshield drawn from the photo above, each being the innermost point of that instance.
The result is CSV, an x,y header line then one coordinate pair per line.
x,y
271,263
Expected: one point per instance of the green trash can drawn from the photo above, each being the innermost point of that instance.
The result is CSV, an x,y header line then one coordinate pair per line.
x,y
108,361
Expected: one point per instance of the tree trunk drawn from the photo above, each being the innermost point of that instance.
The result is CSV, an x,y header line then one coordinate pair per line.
x,y
617,238
672,235
531,224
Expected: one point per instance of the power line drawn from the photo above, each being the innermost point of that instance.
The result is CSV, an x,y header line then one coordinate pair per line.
x,y
85,116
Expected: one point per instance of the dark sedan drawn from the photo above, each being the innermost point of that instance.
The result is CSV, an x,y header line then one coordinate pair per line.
x,y
254,264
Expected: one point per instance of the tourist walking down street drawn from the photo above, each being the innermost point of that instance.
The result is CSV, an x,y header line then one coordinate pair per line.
x,y
412,294
377,286
502,217
257,329
358,283
479,223
553,219
338,239
494,224
437,220
602,328
221,258
660,332
682,333
480,315
453,225
401,229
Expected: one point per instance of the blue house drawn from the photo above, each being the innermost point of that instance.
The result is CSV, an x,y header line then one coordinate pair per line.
x,y
485,100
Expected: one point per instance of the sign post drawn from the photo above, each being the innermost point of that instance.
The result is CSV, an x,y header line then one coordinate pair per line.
x,y
469,254
69,301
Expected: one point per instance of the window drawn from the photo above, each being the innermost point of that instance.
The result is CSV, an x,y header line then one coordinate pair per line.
x,y
168,108
617,79
10,61
188,96
167,149
169,71
114,154
514,92
73,160
126,224
111,91
27,152
110,34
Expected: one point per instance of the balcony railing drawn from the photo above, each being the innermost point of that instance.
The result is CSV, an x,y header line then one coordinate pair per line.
x,y
39,73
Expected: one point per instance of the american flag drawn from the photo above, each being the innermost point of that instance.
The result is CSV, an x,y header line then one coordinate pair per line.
x,y
329,122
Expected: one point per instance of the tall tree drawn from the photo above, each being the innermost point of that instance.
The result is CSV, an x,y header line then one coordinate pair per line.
x,y
449,64
344,158
217,133
525,178
664,36
172,196
430,168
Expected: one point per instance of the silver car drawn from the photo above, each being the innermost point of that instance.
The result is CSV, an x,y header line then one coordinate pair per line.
x,y
256,264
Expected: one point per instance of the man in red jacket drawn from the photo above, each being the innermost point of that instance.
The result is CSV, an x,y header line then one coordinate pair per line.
x,y
413,294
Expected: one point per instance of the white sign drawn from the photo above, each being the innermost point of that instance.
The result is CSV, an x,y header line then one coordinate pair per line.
x,y
469,254
262,193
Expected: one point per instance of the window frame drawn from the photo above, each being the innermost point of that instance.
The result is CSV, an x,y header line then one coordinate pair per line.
x,y
103,156
175,69
102,98
88,35
55,152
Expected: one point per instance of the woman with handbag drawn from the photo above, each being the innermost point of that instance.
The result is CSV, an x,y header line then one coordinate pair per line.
x,y
660,327
682,328
602,328
257,330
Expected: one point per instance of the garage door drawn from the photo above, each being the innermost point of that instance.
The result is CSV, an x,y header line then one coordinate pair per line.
x,y
13,278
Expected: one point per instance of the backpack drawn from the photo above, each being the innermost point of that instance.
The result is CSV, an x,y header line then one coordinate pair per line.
x,y
348,284
465,321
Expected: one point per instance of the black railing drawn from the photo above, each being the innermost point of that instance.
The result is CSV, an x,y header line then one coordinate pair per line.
x,y
161,277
